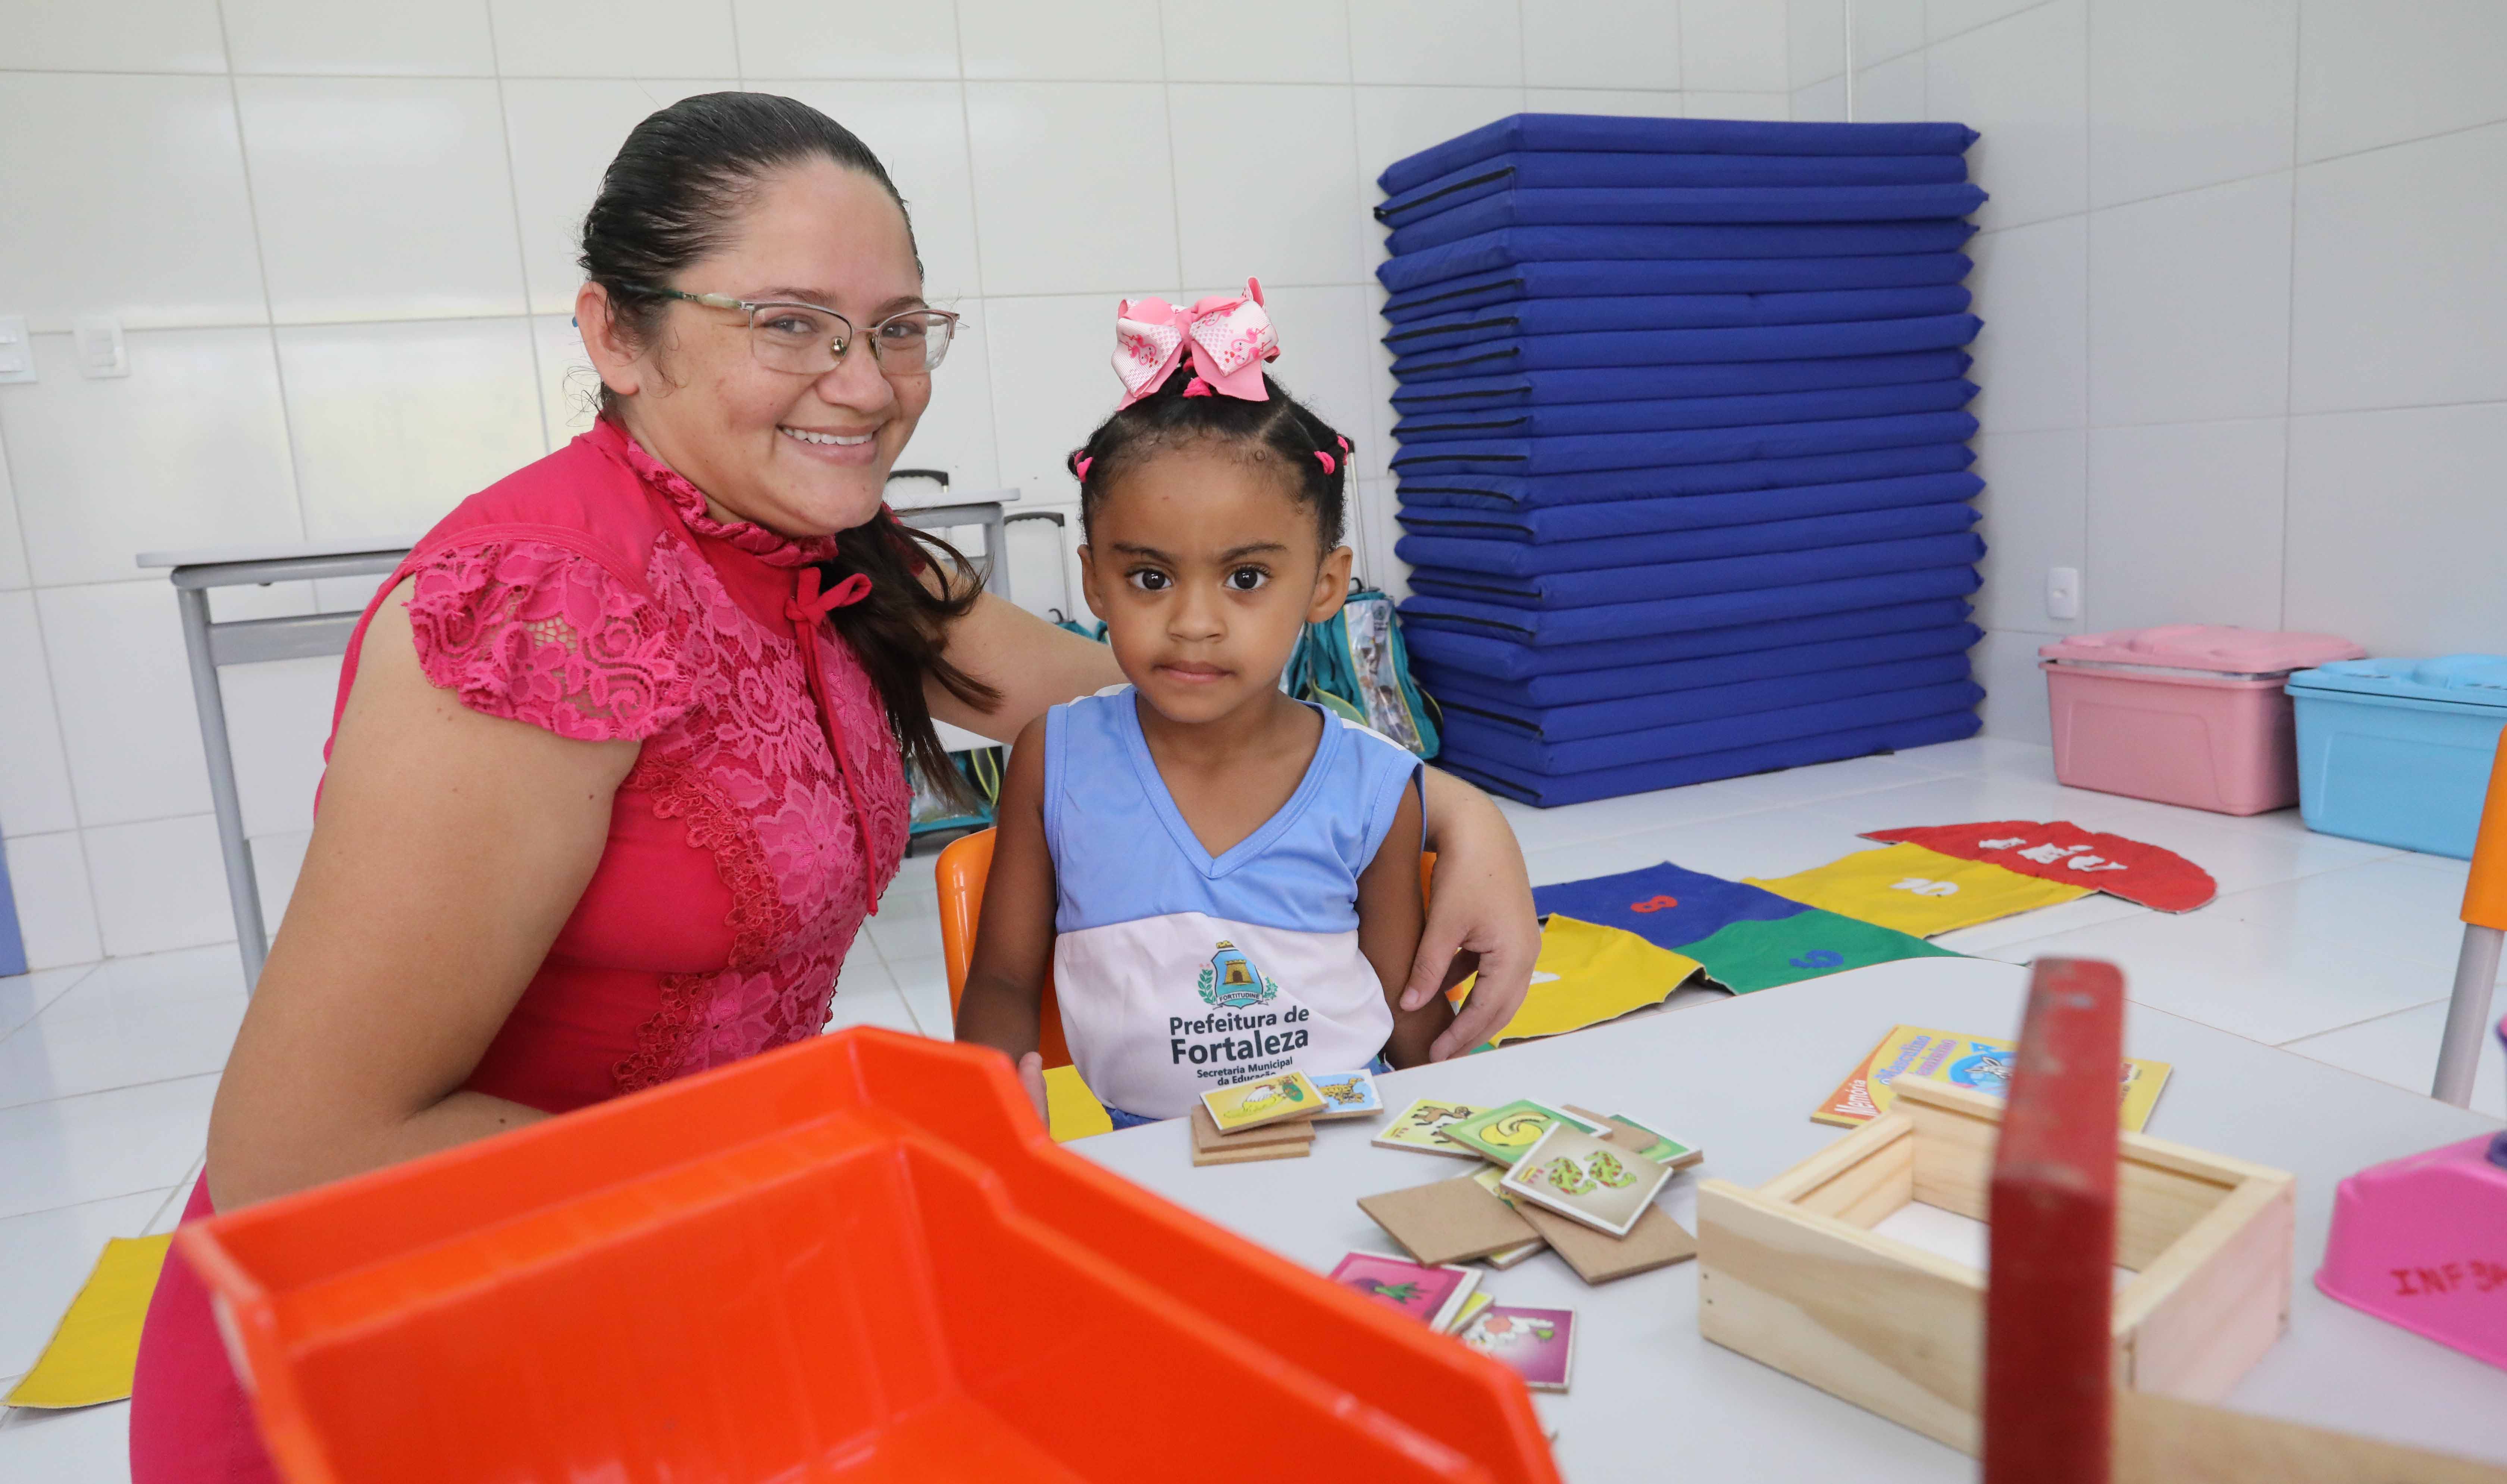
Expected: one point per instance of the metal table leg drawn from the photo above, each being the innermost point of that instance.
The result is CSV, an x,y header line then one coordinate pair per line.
x,y
243,886
2467,1015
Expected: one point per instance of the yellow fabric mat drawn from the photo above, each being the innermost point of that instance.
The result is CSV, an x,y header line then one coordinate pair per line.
x,y
1917,891
90,1357
1586,974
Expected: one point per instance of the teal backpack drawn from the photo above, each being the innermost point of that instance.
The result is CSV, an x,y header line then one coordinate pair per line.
x,y
1354,663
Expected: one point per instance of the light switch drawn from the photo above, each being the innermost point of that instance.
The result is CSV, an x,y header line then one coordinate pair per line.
x,y
102,353
2063,591
17,351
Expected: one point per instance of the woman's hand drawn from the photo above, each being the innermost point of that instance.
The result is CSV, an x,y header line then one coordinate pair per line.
x,y
1481,905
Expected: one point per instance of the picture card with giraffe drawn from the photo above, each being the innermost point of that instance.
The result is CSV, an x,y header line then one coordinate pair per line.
x,y
1606,1186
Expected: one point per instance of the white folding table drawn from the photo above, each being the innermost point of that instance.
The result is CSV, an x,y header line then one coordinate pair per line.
x,y
1651,1400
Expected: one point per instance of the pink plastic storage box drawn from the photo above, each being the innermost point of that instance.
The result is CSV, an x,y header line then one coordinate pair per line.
x,y
2188,713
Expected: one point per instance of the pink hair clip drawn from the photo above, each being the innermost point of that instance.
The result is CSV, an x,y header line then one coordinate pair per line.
x,y
1343,441
1197,387
1329,466
1081,468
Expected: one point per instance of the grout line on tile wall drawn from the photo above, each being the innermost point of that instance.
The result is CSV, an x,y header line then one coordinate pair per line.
x,y
522,255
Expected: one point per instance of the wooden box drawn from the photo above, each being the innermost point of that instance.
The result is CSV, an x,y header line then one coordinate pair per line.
x,y
1791,1275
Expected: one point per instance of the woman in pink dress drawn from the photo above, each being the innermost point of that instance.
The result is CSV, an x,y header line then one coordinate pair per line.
x,y
617,766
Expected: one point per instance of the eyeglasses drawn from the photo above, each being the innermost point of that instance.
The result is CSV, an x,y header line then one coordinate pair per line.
x,y
807,339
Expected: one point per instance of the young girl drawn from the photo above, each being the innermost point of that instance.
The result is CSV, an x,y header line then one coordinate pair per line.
x,y
1223,882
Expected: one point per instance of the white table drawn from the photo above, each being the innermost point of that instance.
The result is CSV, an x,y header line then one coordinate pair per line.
x,y
1651,1400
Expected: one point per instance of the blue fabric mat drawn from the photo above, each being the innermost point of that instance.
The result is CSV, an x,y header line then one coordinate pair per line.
x,y
1673,773
1741,698
1671,311
1684,206
1501,660
1590,452
1702,610
1478,690
1567,131
1676,347
1505,661
1687,512
1829,241
1537,279
1665,413
1698,906
1469,740
1519,559
1650,383
1532,491
1621,586
1564,170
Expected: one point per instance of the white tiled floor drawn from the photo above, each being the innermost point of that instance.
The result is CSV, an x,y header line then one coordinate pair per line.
x,y
2339,951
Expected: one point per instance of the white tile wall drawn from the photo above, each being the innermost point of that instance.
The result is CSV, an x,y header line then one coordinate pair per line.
x,y
1048,158
2374,73
2188,92
2185,519
368,316
2207,268
1631,44
1453,41
367,406
55,907
2032,357
139,36
2399,301
2240,309
561,133
106,162
449,38
381,199
2022,82
189,450
34,775
846,38
1298,41
159,885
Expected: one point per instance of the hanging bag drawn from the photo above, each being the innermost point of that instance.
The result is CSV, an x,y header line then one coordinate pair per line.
x,y
1354,663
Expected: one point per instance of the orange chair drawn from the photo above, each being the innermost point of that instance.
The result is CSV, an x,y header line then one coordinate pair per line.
x,y
961,870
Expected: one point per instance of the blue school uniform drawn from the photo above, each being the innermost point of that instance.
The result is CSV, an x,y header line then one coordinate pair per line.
x,y
1178,972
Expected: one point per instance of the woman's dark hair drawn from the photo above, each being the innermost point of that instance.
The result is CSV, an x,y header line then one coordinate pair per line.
x,y
1281,431
673,196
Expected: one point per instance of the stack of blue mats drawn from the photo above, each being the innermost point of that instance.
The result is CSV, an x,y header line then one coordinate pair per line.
x,y
1684,463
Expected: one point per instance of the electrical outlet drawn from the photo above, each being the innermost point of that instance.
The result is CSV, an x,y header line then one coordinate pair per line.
x,y
17,351
2063,591
101,351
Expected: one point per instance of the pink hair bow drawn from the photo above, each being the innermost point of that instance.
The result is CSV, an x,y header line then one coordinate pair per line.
x,y
1228,339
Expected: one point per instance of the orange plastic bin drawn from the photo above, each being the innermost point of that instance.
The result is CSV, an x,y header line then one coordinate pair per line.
x,y
856,1258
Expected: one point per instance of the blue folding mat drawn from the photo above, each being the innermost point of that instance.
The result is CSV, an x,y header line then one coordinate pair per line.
x,y
1683,471
1458,686
1445,282
1502,657
1459,555
1664,413
1823,210
1525,492
1598,519
1669,311
1569,170
1611,349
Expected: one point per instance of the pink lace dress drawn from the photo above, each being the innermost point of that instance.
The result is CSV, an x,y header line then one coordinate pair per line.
x,y
592,596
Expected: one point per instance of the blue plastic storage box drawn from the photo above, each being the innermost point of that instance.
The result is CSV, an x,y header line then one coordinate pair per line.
x,y
2398,751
